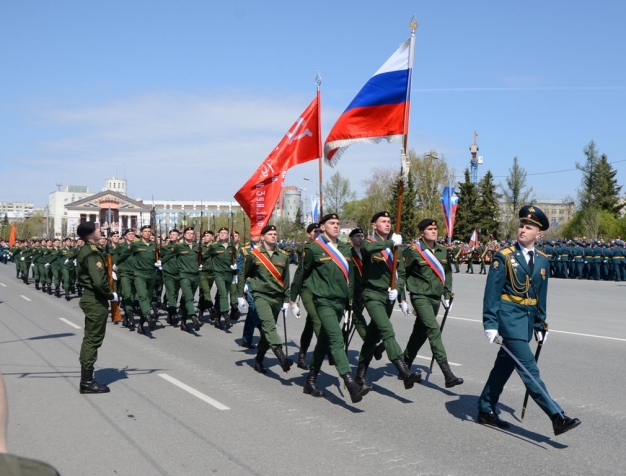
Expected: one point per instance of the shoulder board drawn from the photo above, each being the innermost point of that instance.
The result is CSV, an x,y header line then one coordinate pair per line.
x,y
283,251
94,248
542,253
507,251
135,240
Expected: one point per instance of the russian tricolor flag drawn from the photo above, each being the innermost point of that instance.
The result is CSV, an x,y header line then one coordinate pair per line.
x,y
380,110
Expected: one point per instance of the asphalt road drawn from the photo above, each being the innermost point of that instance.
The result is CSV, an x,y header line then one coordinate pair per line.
x,y
191,404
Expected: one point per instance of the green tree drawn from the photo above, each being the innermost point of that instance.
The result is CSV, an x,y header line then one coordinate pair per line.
x,y
431,174
360,211
297,229
337,193
467,210
515,196
488,206
599,188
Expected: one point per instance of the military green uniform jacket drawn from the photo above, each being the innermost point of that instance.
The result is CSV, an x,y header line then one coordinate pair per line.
x,y
260,278
186,257
222,259
54,254
376,272
168,259
357,261
420,277
322,276
512,305
143,256
207,261
91,271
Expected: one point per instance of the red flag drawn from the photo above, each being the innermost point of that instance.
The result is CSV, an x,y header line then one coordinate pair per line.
x,y
301,144
12,236
474,238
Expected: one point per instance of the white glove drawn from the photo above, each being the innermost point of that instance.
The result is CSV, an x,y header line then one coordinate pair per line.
x,y
22,258
67,261
446,304
242,305
233,267
114,266
75,264
397,239
47,265
295,310
114,297
114,276
158,264
285,307
245,288
405,308
491,334
200,268
542,336
393,294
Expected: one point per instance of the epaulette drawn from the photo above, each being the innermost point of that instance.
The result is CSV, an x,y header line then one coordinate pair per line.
x,y
507,251
283,251
542,253
94,248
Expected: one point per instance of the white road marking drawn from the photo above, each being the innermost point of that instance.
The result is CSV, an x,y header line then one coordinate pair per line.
x,y
69,323
194,392
428,358
24,297
3,285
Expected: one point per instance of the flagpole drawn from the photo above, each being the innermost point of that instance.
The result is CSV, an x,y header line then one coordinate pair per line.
x,y
318,83
404,161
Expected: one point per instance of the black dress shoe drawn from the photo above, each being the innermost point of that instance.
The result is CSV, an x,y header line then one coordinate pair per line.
x,y
492,419
248,346
561,424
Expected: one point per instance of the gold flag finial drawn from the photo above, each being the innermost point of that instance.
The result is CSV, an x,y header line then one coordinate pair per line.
x,y
413,24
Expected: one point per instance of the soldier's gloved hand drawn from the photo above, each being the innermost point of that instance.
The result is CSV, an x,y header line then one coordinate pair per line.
x,y
158,264
405,308
22,258
295,310
75,264
397,239
541,336
285,307
233,267
67,261
446,304
114,297
114,276
47,265
491,334
245,288
393,294
114,266
200,268
242,305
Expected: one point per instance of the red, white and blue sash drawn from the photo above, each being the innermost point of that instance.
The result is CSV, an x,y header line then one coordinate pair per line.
x,y
430,259
387,254
336,256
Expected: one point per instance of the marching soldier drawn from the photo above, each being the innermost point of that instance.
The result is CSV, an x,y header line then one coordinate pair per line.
x,y
171,277
68,255
360,324
207,278
267,269
144,271
327,268
252,317
428,279
312,324
93,277
224,269
514,306
379,298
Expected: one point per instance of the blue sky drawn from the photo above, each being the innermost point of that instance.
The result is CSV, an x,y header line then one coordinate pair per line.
x,y
187,98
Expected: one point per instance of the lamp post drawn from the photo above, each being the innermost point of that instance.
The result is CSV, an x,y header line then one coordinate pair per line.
x,y
319,187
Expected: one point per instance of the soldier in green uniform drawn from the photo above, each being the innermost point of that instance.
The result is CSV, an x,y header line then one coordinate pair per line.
x,y
234,308
37,253
428,279
328,271
207,278
360,324
55,266
514,306
470,260
379,298
267,270
252,316
66,262
224,270
171,277
186,255
144,271
482,254
92,276
312,324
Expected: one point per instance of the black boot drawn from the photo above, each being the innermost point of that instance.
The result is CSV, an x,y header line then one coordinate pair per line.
x,y
43,288
174,317
142,320
212,313
67,295
57,291
234,313
410,378
201,310
183,324
302,364
357,392
37,285
310,387
50,289
361,377
217,322
258,362
89,385
169,319
197,324
561,424
227,323
285,362
451,379
379,351
79,291
331,359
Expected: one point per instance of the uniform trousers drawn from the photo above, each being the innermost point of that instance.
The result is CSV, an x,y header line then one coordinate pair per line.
x,y
144,290
96,311
425,327
312,324
171,283
268,308
188,286
379,308
329,313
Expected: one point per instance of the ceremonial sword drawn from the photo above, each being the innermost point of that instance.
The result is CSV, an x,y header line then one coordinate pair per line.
x,y
537,352
443,323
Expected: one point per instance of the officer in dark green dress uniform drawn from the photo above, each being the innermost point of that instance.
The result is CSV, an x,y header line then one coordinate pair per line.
x,y
514,306
93,277
428,279
379,299
328,271
267,270
223,259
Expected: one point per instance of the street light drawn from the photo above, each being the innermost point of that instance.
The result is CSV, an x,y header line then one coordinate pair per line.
x,y
319,187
